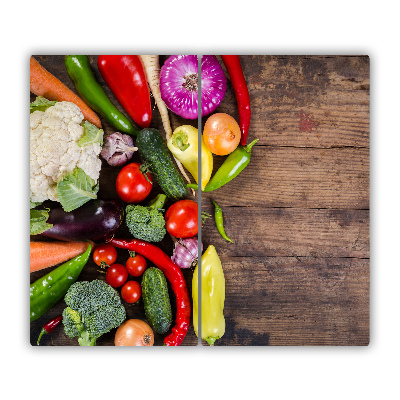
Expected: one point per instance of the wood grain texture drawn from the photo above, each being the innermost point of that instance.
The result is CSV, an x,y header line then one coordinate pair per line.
x,y
298,270
303,301
300,177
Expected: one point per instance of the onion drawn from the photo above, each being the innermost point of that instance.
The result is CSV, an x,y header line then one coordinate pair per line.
x,y
118,149
185,253
134,332
179,85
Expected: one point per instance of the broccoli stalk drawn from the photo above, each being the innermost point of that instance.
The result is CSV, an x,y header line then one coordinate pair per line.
x,y
147,222
94,308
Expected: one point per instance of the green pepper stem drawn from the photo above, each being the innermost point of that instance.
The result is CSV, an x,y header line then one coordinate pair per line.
x,y
42,332
193,186
180,140
250,145
211,340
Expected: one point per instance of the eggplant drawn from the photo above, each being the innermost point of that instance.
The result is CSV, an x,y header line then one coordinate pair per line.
x,y
96,220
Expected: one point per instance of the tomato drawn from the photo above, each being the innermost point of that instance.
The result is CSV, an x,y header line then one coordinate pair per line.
x,y
136,265
131,292
116,275
104,254
133,184
181,219
221,134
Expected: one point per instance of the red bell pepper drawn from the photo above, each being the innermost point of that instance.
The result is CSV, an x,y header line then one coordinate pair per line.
x,y
232,64
126,78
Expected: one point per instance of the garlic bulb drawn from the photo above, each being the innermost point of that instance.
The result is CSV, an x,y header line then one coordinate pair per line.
x,y
186,252
118,149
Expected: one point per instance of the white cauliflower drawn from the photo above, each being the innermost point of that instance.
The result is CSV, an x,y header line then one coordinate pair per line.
x,y
55,152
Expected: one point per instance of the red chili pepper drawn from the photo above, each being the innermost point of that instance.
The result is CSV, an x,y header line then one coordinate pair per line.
x,y
232,64
126,78
174,275
49,327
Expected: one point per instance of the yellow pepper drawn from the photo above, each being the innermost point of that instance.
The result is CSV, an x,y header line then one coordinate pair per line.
x,y
183,144
212,297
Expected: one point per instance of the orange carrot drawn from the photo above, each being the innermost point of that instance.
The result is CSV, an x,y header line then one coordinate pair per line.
x,y
48,254
43,83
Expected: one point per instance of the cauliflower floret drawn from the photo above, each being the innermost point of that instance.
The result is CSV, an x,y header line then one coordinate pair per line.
x,y
55,152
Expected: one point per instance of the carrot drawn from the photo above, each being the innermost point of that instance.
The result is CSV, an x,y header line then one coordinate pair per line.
x,y
151,66
43,83
48,254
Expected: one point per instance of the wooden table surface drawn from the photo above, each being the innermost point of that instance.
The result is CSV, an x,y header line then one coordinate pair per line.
x,y
298,270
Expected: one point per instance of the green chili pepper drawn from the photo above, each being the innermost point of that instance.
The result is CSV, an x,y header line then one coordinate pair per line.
x,y
233,165
51,288
78,68
219,221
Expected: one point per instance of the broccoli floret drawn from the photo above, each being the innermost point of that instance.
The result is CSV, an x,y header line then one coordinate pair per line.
x,y
94,308
147,222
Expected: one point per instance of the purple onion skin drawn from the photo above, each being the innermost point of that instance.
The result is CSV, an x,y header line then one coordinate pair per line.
x,y
213,84
186,252
179,85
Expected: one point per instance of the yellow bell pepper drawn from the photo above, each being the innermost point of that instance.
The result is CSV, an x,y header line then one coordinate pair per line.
x,y
212,297
183,144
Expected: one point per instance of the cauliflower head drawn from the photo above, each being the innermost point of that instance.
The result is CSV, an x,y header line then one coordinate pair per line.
x,y
55,151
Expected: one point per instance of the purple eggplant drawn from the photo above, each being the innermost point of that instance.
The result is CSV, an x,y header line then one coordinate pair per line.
x,y
96,220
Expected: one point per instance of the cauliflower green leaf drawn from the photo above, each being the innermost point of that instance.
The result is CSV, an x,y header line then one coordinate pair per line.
x,y
38,221
41,104
76,189
91,134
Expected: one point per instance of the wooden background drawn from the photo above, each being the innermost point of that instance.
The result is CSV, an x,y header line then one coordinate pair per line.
x,y
298,270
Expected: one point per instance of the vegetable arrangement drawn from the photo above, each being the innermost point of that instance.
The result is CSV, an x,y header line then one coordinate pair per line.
x,y
66,145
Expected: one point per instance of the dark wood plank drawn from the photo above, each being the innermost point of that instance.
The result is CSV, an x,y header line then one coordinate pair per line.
x,y
269,232
296,301
298,271
300,177
306,101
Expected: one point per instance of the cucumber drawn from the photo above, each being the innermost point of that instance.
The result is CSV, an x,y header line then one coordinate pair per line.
x,y
154,151
157,305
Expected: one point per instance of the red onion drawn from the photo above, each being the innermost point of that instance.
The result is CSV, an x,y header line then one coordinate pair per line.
x,y
118,149
179,85
186,252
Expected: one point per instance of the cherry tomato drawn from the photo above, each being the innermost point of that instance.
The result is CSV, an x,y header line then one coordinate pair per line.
x,y
181,219
116,275
131,292
221,134
132,185
136,265
104,254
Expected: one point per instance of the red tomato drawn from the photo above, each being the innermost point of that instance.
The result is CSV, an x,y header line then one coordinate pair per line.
x,y
104,254
181,219
131,292
221,134
116,275
132,185
136,265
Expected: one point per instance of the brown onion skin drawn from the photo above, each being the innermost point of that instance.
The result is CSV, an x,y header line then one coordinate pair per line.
x,y
134,332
